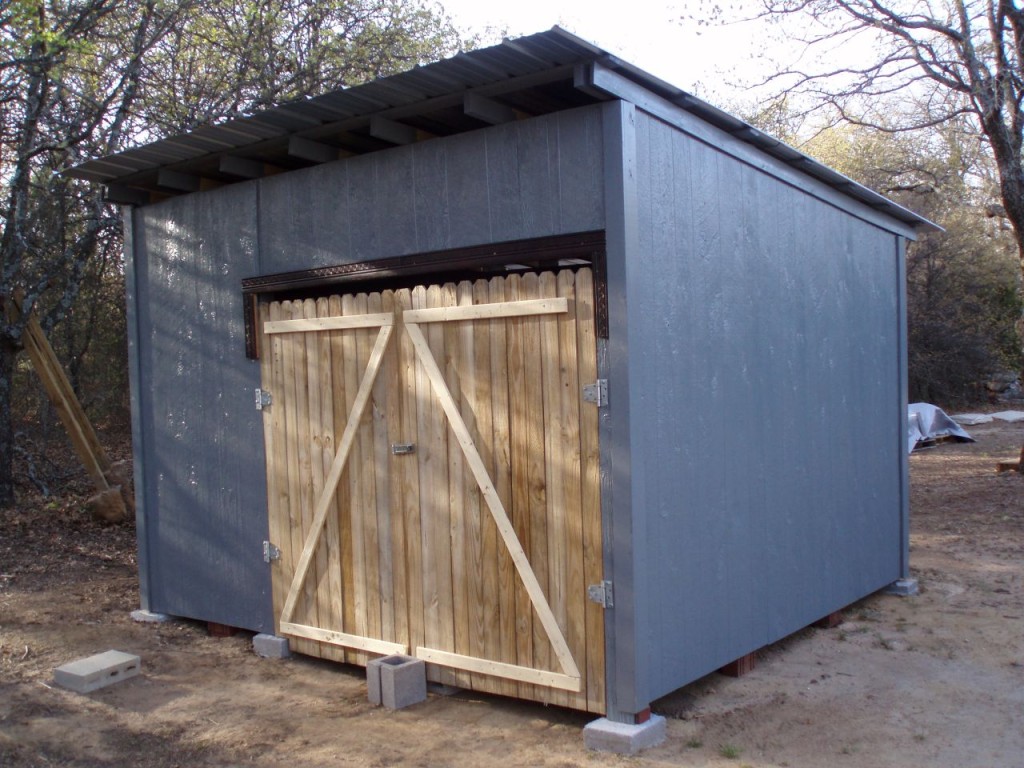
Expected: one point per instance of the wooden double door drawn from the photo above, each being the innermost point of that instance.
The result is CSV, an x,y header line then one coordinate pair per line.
x,y
433,481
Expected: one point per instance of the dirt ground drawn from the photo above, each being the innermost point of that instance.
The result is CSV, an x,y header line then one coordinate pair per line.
x,y
933,680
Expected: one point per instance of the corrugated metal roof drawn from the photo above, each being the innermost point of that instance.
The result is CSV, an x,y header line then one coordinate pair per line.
x,y
533,74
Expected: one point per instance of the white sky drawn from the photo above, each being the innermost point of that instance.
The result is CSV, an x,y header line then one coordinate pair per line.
x,y
655,35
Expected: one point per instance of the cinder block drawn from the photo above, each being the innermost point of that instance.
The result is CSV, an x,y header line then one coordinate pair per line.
x,y
373,681
903,588
148,617
396,681
97,671
605,735
271,646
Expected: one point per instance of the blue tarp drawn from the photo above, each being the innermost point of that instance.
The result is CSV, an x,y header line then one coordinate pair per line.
x,y
927,423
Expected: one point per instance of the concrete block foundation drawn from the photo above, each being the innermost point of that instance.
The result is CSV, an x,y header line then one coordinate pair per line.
x,y
99,671
148,617
903,588
271,646
396,681
605,735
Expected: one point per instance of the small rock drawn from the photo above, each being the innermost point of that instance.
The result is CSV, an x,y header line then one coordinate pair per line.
x,y
108,506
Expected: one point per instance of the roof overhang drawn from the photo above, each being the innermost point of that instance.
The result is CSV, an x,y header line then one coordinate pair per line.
x,y
520,78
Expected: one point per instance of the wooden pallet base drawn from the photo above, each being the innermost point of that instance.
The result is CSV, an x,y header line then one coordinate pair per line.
x,y
741,666
831,621
221,630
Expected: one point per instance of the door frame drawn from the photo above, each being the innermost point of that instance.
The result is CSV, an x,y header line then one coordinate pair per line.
x,y
587,248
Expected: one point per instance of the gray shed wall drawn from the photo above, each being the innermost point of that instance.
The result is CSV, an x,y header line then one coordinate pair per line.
x,y
530,178
764,403
199,440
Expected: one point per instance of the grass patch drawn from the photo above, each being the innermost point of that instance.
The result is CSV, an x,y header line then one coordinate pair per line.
x,y
730,751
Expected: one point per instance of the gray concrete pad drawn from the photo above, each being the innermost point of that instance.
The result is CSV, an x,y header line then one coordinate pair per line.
x,y
605,735
99,671
971,419
1009,416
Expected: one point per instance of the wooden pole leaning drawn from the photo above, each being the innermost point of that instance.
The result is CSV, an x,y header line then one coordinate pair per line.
x,y
62,395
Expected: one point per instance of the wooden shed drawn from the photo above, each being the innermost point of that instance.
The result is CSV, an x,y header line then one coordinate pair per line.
x,y
525,363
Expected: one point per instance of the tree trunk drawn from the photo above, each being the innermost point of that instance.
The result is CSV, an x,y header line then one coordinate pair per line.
x,y
7,357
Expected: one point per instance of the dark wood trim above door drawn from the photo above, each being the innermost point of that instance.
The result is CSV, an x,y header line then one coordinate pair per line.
x,y
580,249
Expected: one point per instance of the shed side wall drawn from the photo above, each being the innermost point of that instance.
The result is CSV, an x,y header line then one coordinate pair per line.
x,y
204,495
764,402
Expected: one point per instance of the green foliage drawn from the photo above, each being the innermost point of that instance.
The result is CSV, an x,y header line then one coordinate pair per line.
x,y
87,78
233,57
730,751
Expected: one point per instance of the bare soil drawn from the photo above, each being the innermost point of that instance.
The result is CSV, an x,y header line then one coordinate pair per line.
x,y
933,680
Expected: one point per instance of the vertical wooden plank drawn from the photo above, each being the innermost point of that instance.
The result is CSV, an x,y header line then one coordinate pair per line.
x,y
429,454
593,553
444,507
570,387
535,426
331,615
408,469
365,507
396,555
304,455
520,464
555,457
485,641
357,500
317,577
341,399
293,362
287,522
466,570
275,438
379,407
501,418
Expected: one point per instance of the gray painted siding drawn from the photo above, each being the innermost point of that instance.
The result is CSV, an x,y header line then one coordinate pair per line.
x,y
764,406
529,178
622,522
201,438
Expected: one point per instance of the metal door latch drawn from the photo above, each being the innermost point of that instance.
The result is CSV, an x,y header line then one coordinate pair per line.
x,y
263,399
270,552
601,594
401,449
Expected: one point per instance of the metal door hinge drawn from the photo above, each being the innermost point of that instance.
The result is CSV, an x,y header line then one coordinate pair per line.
x,y
270,552
263,399
596,393
601,594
